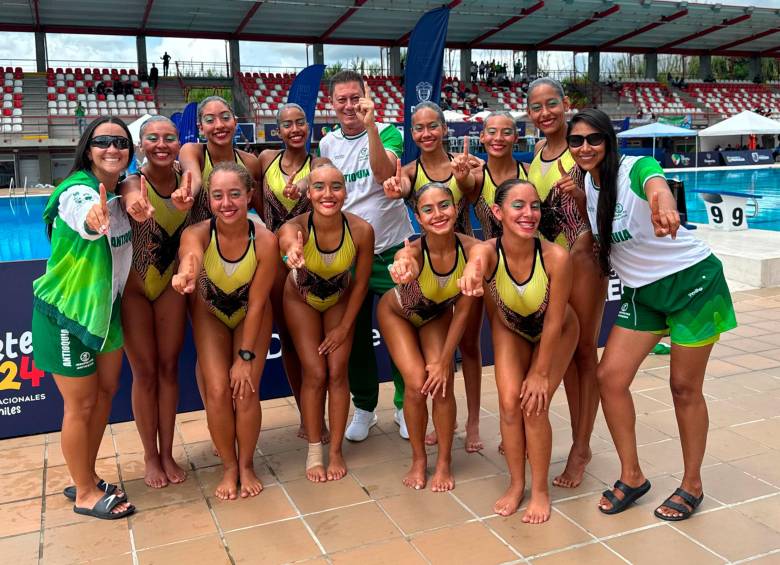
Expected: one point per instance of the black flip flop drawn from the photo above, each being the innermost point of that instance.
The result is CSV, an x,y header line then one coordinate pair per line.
x,y
103,508
686,512
630,495
108,488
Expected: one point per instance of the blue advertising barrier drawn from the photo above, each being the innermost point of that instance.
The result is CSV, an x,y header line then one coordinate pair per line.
x,y
31,404
750,157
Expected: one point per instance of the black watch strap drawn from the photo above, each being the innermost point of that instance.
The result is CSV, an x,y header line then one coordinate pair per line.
x,y
246,355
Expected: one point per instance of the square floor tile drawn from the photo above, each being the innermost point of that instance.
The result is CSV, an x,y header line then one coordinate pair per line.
x,y
20,517
173,523
270,505
202,551
350,527
585,512
194,431
21,459
731,534
766,432
19,486
766,511
415,511
59,512
466,544
20,550
315,497
201,454
661,544
383,479
280,439
79,542
765,466
281,542
533,539
481,494
726,444
145,497
665,457
392,552
594,553
730,484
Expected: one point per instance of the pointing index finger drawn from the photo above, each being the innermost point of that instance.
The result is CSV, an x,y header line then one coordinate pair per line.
x,y
103,197
398,170
561,170
466,145
144,190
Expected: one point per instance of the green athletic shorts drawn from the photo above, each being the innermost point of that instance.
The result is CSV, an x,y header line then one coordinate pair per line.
x,y
692,306
58,351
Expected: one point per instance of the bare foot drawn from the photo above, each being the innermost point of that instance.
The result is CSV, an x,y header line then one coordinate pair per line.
x,y
317,474
575,470
173,471
227,489
337,468
538,510
431,438
473,441
324,436
416,476
154,476
302,432
250,484
510,501
442,480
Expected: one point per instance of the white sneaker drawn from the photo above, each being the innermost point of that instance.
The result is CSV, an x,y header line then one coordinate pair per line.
x,y
399,419
362,421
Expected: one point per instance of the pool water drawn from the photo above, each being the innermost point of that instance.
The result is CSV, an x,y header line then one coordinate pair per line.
x,y
22,236
764,181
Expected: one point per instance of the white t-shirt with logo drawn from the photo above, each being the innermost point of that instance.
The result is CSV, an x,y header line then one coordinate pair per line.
x,y
365,197
637,255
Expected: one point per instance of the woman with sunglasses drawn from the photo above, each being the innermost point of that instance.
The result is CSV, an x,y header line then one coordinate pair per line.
x,y
76,325
282,168
422,331
564,221
435,164
535,332
672,285
217,122
228,263
329,254
153,313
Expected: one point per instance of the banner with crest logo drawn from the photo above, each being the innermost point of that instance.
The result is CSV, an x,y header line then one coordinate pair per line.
x,y
422,77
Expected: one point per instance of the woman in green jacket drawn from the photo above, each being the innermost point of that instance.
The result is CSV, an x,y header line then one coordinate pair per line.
x,y
77,332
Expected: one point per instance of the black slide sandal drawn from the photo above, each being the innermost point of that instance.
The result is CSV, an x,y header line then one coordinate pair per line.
x,y
103,508
630,495
686,512
108,488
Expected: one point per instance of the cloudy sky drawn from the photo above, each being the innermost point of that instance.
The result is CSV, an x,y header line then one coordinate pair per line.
x,y
18,49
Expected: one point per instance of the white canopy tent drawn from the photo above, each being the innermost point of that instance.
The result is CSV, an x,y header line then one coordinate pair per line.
x,y
655,130
744,123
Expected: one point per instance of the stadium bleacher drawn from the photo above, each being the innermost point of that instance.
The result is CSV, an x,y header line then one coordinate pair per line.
x,y
651,97
731,97
13,100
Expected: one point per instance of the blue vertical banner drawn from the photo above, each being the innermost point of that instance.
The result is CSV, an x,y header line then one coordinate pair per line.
x,y
422,78
304,92
188,124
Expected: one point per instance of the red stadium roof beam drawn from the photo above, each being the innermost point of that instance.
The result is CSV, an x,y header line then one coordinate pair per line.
x,y
644,29
247,18
748,39
343,18
405,37
525,12
576,27
702,33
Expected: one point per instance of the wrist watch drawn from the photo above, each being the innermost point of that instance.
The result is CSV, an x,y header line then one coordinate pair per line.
x,y
246,355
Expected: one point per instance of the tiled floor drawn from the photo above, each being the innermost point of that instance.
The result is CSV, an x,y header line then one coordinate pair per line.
x,y
369,517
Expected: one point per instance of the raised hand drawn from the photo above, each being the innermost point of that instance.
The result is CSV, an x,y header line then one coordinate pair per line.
x,y
294,257
291,190
666,221
404,268
565,183
182,197
470,284
141,209
461,165
392,186
183,282
98,218
365,108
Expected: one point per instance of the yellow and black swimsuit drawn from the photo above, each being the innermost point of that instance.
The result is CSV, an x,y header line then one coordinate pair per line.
x,y
561,221
462,221
224,285
326,274
521,305
200,210
279,208
156,243
491,227
431,293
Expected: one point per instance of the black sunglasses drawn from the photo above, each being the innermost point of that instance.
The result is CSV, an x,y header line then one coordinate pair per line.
x,y
106,141
593,139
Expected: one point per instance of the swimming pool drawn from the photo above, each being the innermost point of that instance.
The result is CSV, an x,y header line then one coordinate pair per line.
x,y
22,235
764,181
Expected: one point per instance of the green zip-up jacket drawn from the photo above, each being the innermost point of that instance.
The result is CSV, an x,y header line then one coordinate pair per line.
x,y
85,273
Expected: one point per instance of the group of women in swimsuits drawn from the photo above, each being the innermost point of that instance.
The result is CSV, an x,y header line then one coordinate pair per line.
x,y
303,263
